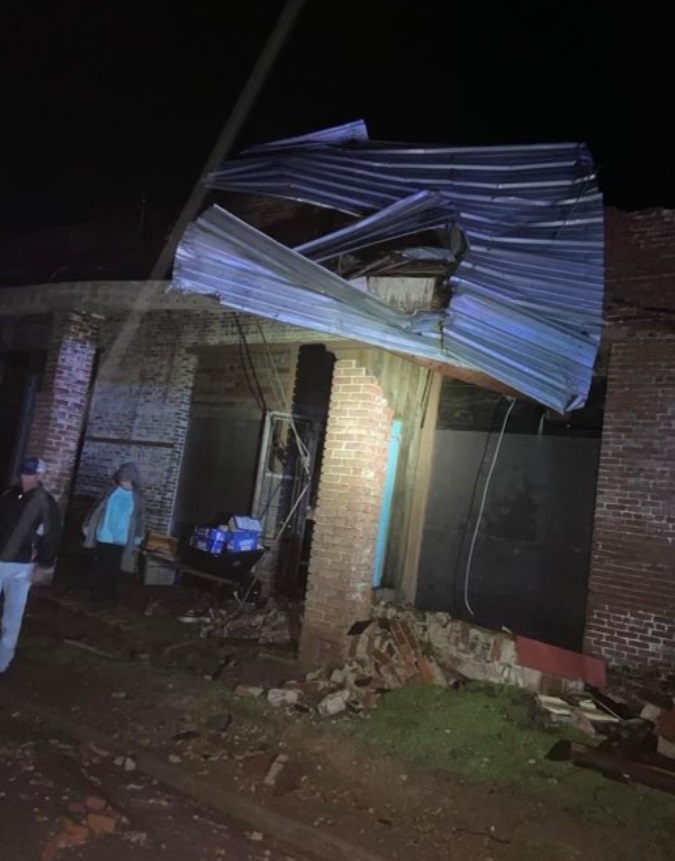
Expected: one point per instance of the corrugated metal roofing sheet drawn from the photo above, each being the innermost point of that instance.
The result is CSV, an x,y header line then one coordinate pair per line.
x,y
526,304
421,211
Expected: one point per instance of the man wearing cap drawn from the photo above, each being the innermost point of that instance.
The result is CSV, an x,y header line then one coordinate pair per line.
x,y
30,530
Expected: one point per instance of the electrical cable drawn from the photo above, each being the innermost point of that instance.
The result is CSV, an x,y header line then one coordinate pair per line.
x,y
275,381
479,518
243,343
474,490
247,377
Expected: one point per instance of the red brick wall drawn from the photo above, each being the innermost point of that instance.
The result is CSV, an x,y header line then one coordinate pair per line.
x,y
61,403
339,587
639,263
631,610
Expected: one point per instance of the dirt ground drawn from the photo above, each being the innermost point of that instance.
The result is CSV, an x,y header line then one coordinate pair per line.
x,y
148,682
60,799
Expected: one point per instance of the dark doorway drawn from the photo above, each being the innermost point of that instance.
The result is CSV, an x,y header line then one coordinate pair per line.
x,y
313,381
520,560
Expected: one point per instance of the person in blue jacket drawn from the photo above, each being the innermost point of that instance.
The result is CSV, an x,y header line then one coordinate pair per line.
x,y
115,528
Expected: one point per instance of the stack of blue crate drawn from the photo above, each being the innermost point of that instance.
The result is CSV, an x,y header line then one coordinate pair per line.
x,y
209,540
244,534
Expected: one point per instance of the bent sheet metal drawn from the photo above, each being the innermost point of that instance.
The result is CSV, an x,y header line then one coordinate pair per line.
x,y
516,232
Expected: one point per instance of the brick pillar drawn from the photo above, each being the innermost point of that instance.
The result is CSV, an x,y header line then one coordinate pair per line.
x,y
631,610
61,403
339,585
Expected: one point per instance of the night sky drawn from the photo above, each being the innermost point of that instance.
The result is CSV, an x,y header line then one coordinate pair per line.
x,y
107,103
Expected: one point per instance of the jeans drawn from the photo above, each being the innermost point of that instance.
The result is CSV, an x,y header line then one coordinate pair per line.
x,y
15,580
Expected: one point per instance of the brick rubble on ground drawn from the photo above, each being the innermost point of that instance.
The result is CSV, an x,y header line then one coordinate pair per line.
x,y
399,645
268,626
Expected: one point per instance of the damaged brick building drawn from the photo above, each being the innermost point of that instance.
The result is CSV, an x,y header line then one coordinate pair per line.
x,y
631,606
96,372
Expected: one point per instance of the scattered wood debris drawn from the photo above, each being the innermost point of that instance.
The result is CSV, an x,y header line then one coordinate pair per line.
x,y
581,711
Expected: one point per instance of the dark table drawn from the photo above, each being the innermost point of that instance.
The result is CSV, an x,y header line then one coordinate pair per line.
x,y
233,569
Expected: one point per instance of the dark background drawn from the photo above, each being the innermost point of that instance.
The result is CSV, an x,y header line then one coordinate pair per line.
x,y
107,105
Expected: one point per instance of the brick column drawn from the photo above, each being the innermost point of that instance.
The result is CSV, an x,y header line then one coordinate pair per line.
x,y
339,585
631,611
61,403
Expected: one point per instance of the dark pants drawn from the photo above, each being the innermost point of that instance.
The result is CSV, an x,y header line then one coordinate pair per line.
x,y
108,569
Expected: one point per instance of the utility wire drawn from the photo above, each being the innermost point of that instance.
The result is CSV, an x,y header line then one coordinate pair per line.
x,y
245,355
479,518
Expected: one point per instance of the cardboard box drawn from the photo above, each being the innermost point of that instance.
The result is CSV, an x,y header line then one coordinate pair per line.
x,y
157,574
165,544
244,534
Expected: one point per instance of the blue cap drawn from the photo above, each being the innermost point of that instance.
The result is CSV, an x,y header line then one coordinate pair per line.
x,y
33,466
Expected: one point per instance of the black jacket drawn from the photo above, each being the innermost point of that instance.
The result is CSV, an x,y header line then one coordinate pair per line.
x,y
30,526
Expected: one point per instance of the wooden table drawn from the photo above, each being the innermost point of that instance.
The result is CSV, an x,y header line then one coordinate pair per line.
x,y
237,565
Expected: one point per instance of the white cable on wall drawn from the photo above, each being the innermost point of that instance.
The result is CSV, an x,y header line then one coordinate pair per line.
x,y
469,560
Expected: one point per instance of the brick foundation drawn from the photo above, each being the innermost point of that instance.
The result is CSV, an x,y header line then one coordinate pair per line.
x,y
61,403
339,587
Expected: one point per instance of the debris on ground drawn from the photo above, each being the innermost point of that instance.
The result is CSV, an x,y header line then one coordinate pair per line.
x,y
252,691
77,644
625,764
70,835
635,748
663,720
271,625
394,647
126,763
334,703
275,769
578,710
99,823
283,697
296,764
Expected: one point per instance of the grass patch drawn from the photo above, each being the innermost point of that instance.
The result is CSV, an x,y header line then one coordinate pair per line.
x,y
485,733
251,707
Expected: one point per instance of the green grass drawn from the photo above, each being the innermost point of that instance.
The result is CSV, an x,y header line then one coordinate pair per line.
x,y
485,733
248,707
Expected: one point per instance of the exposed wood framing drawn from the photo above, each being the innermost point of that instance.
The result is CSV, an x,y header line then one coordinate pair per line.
x,y
419,505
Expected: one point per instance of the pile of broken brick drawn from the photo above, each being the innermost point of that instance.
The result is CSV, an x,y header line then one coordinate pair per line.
x,y
89,818
397,646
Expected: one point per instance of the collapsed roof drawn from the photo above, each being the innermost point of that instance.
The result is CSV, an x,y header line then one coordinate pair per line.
x,y
516,233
